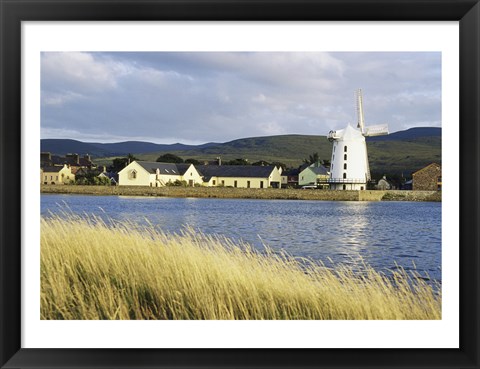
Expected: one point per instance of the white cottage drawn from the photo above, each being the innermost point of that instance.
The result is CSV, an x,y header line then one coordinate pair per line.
x,y
242,176
154,174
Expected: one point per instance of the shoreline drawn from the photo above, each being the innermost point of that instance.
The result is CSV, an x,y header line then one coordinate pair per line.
x,y
247,193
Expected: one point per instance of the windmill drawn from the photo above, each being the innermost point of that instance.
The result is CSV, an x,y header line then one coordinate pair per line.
x,y
349,168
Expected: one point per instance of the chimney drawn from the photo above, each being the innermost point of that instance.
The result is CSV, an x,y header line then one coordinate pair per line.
x,y
45,156
219,160
87,157
74,157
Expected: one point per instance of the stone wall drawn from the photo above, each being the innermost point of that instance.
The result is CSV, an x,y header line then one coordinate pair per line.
x,y
371,195
247,193
398,195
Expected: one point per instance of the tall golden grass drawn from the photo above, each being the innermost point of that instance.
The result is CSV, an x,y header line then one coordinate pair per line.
x,y
94,270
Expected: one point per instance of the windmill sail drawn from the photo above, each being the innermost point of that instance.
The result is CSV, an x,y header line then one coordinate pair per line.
x,y
378,130
361,121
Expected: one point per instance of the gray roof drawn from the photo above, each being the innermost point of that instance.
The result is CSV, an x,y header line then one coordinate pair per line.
x,y
319,170
254,171
52,169
165,168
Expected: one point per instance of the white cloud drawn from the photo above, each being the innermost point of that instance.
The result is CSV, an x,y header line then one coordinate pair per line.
x,y
201,97
76,71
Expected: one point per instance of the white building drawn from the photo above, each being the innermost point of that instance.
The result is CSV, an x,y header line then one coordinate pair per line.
x,y
349,168
154,174
242,176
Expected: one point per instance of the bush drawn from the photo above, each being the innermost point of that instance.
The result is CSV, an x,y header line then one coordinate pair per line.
x,y
177,183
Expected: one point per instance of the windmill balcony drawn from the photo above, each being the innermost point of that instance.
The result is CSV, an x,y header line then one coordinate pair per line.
x,y
343,180
332,135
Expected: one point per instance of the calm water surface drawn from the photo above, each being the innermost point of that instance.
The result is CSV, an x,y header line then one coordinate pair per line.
x,y
379,233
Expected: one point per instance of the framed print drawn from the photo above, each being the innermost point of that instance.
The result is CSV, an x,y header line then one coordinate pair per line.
x,y
244,90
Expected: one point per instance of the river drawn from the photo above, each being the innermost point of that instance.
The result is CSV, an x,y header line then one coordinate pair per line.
x,y
381,234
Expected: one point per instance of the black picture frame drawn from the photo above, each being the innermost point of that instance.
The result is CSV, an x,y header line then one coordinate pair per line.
x,y
13,12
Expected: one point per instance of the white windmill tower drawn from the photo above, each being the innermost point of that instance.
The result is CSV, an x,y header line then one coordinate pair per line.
x,y
349,168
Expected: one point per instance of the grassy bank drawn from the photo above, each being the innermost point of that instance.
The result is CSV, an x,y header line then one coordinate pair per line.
x,y
90,270
246,193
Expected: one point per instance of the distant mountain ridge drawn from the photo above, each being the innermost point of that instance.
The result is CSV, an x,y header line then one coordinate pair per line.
x,y
409,134
99,150
96,149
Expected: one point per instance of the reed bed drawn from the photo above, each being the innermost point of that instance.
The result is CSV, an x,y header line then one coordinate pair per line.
x,y
92,269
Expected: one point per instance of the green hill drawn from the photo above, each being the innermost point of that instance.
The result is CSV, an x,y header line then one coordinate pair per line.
x,y
401,152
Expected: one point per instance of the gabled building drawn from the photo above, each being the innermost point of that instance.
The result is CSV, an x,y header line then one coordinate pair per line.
x,y
314,175
243,176
428,178
112,176
56,175
383,184
154,174
290,176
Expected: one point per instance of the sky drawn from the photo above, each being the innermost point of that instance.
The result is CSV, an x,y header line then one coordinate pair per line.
x,y
199,97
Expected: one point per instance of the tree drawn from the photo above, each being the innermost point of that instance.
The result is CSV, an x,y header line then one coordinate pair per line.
x,y
238,162
280,165
261,163
169,158
312,159
326,163
119,163
192,161
131,158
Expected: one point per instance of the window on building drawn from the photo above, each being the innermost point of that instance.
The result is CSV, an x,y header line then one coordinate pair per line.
x,y
214,182
223,183
234,183
345,148
344,175
133,174
345,166
344,187
248,184
345,157
261,184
